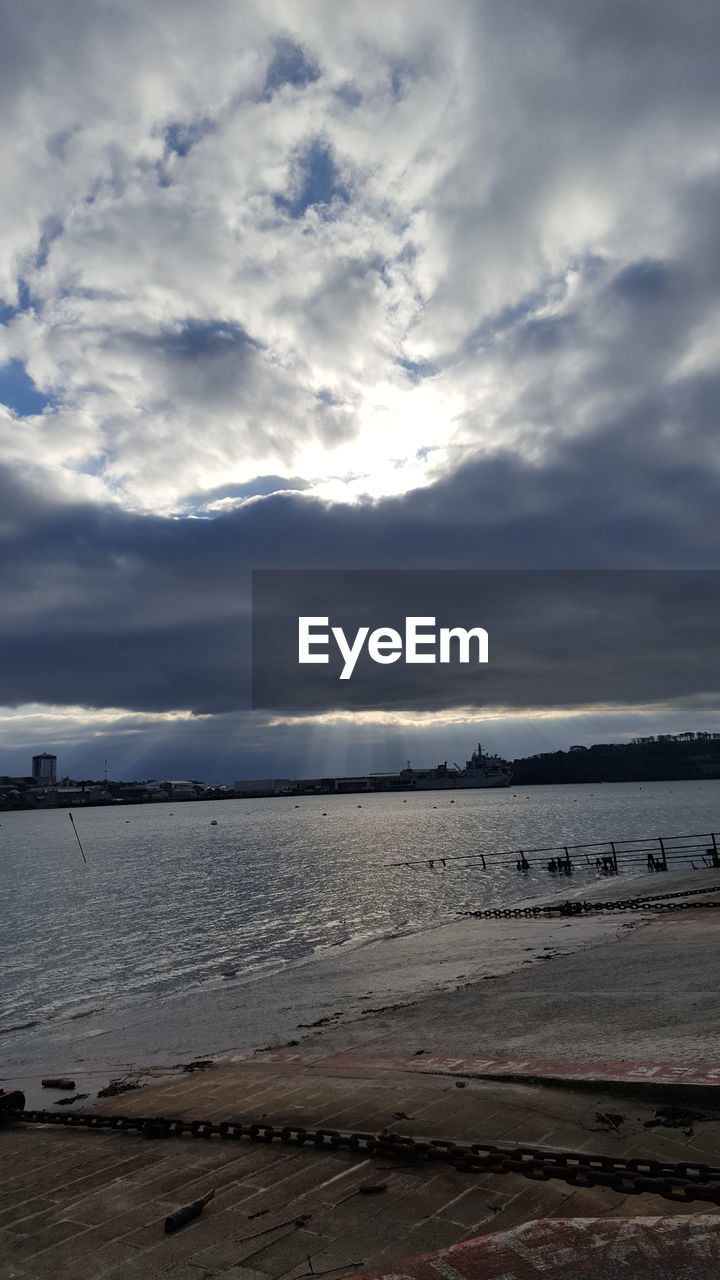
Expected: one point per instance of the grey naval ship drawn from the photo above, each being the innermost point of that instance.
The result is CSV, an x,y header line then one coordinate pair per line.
x,y
480,771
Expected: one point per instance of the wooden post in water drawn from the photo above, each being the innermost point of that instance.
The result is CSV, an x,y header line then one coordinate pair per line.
x,y
77,837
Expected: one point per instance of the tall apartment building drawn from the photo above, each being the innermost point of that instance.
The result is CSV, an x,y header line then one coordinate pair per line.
x,y
44,769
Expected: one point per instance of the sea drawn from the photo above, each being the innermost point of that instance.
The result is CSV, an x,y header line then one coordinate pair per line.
x,y
180,897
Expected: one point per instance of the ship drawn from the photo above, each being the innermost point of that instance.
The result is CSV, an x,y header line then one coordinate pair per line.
x,y
480,770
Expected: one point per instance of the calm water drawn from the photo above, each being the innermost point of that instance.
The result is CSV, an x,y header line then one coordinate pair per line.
x,y
169,901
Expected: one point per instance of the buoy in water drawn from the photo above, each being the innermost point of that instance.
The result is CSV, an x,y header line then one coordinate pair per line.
x,y
213,822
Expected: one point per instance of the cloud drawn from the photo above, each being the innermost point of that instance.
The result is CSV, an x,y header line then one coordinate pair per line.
x,y
467,228
448,273
151,613
240,745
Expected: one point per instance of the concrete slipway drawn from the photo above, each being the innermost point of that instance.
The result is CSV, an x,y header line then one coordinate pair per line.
x,y
624,1021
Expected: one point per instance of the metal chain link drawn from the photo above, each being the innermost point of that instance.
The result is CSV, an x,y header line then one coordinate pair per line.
x,y
645,902
682,1182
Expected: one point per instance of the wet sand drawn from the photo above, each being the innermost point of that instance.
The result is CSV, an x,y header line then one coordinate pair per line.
x,y
637,986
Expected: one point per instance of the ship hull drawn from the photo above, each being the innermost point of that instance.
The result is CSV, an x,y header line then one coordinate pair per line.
x,y
460,784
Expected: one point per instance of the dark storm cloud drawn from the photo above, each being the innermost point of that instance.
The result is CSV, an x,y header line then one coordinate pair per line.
x,y
203,663
152,613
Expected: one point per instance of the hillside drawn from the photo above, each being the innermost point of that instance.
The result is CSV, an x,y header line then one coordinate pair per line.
x,y
667,757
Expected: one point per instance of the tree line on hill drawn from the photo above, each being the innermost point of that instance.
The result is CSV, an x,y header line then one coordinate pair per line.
x,y
664,758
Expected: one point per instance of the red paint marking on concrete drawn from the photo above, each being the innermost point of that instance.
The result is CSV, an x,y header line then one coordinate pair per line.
x,y
596,1248
618,1070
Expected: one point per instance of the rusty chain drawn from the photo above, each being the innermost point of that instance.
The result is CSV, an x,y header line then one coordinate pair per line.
x,y
681,1182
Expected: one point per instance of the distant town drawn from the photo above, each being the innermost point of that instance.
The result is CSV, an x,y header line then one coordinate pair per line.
x,y
43,790
665,757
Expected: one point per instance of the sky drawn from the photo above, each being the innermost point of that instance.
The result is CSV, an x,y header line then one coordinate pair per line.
x,y
300,285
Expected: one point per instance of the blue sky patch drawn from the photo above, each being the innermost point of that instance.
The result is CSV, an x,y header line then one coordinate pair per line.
x,y
290,65
8,311
96,465
349,95
402,74
18,391
329,398
199,339
259,487
52,227
181,137
319,182
644,281
57,144
418,368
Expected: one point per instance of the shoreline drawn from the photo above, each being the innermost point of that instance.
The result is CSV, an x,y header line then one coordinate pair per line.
x,y
324,954
200,908
376,992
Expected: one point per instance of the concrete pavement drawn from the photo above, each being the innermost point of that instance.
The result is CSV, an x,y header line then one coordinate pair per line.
x,y
80,1205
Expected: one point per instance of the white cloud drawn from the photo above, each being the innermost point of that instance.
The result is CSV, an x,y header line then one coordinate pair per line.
x,y
488,169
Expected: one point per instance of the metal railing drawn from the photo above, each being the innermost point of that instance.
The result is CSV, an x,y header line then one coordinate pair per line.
x,y
606,856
